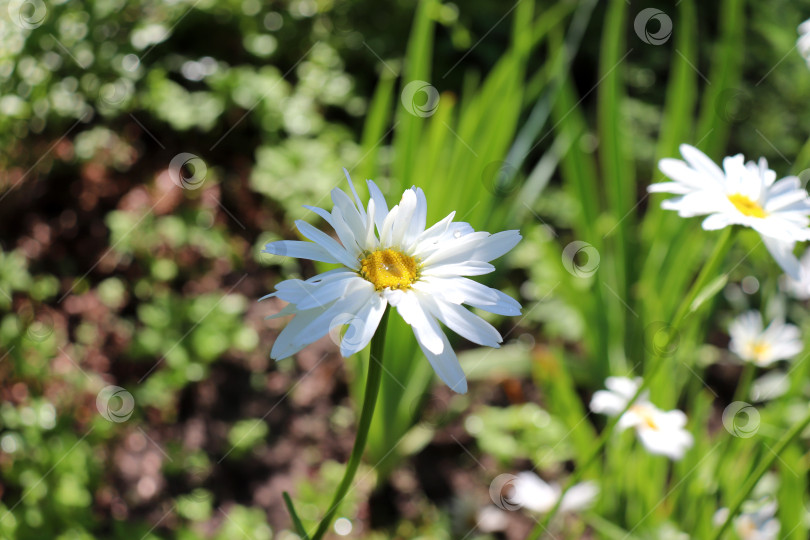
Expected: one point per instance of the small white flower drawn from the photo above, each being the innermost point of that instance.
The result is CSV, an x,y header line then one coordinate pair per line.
x,y
741,193
780,341
803,43
389,257
661,432
756,522
532,492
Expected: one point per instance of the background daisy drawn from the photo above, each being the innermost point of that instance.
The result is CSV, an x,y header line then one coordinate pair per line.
x,y
740,193
763,347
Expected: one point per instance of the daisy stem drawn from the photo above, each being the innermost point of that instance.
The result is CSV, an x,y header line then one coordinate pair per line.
x,y
744,383
375,369
709,272
761,469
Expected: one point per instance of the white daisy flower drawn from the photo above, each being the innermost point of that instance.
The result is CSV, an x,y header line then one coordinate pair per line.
x,y
763,347
803,43
532,492
389,257
756,522
741,193
661,432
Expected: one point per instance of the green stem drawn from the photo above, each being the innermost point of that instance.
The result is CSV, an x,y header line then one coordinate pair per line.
x,y
744,384
761,469
707,273
375,369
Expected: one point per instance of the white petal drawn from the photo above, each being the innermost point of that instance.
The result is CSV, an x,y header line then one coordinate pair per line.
x,y
407,207
460,290
419,220
387,230
295,290
370,242
770,386
424,326
446,366
394,297
357,295
717,221
496,245
579,497
782,252
676,188
355,219
672,444
432,235
623,386
300,250
360,208
327,217
702,163
609,403
464,323
505,304
456,250
532,492
380,206
470,268
687,177
348,237
328,292
285,344
363,327
328,243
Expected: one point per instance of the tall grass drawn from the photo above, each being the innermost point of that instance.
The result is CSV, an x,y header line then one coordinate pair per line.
x,y
648,258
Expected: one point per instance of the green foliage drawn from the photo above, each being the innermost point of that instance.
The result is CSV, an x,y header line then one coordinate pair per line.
x,y
552,125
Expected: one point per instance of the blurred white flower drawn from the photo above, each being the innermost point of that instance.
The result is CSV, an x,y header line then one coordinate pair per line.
x,y
532,492
803,43
780,341
419,271
756,522
741,193
661,432
770,386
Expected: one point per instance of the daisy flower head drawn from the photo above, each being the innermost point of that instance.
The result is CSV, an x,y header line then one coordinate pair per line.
x,y
740,193
661,432
389,257
763,346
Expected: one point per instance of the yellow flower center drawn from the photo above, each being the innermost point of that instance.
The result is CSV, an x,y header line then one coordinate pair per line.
x,y
646,416
746,206
760,349
389,268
